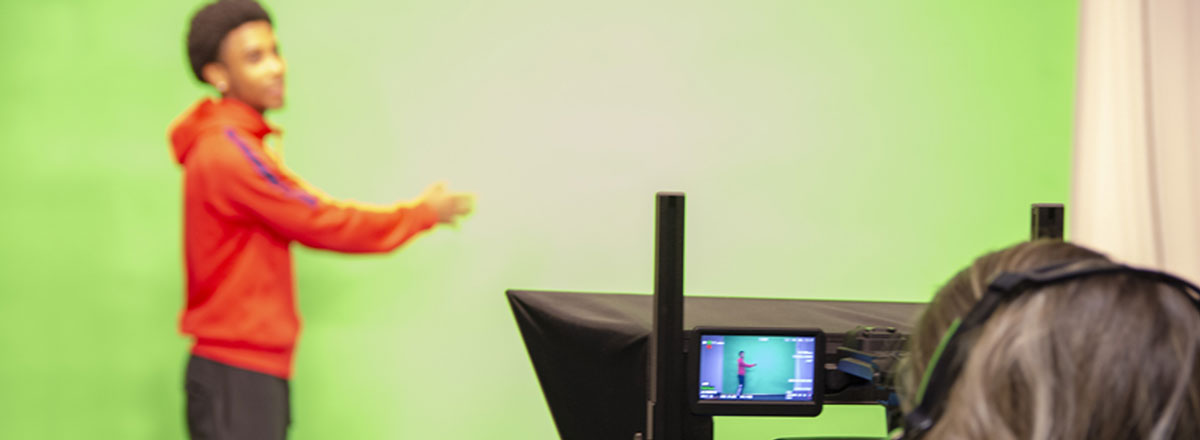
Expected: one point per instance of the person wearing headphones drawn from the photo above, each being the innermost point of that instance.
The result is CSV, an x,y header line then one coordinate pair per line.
x,y
1050,340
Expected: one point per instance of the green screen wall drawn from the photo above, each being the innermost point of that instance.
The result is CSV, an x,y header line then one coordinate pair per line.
x,y
855,150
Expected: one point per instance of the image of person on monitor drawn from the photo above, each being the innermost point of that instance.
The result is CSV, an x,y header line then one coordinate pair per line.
x,y
742,366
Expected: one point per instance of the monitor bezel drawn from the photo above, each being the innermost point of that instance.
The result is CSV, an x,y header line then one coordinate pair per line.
x,y
700,406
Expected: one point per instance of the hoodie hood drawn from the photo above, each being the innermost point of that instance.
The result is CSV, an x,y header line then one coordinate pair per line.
x,y
209,116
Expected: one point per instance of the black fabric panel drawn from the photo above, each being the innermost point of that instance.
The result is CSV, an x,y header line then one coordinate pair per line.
x,y
589,349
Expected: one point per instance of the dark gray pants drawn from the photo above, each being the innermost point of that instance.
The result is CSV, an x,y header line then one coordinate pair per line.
x,y
230,403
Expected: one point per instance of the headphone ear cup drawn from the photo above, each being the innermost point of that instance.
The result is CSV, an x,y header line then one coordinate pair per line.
x,y
921,419
936,358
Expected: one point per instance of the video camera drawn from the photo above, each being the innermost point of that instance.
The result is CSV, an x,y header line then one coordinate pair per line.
x,y
796,375
609,369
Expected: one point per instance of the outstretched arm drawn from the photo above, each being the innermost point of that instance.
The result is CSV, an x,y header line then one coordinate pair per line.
x,y
259,187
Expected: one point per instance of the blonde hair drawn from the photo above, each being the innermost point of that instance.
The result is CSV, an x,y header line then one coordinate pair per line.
x,y
1103,357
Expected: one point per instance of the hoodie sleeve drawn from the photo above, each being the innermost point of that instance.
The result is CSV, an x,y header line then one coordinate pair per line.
x,y
246,182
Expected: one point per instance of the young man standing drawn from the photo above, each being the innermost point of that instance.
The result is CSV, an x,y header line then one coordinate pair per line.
x,y
742,366
242,210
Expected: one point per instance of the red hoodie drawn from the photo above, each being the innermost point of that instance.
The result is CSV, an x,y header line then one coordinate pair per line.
x,y
242,209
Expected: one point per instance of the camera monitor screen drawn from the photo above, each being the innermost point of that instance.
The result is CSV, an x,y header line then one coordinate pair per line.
x,y
756,371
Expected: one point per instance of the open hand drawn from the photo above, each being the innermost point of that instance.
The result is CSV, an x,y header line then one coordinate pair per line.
x,y
450,206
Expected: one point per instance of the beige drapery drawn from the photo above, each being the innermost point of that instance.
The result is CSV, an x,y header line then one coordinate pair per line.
x,y
1135,190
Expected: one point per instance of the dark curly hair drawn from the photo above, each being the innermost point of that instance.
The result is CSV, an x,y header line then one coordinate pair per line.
x,y
210,25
